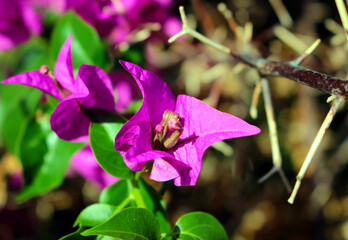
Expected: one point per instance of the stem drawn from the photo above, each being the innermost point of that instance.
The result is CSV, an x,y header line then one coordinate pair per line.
x,y
163,188
317,80
171,234
137,194
123,204
273,135
309,51
255,100
137,175
342,10
325,125
186,29
282,13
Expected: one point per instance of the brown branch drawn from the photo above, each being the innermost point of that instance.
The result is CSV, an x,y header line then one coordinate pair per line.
x,y
314,79
289,70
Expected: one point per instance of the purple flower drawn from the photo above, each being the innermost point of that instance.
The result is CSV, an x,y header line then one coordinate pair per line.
x,y
136,14
101,15
91,89
85,164
18,21
173,133
56,6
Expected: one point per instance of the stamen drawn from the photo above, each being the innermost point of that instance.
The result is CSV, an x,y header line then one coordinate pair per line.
x,y
167,133
174,124
46,71
159,128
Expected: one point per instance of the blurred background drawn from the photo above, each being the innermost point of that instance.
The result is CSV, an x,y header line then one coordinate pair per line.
x,y
228,185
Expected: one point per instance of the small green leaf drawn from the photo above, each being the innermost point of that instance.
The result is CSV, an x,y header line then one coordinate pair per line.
x,y
116,193
121,191
102,138
198,226
18,105
95,214
86,48
129,224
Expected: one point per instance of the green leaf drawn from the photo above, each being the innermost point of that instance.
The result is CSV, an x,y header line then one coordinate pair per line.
x,y
32,55
48,168
77,235
86,48
18,105
121,191
26,57
100,237
129,224
199,226
95,214
32,150
102,138
116,193
155,204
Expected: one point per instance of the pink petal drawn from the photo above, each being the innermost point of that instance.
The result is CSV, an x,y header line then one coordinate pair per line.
x,y
97,83
132,140
168,168
63,69
37,80
163,171
157,95
30,18
203,126
11,37
68,120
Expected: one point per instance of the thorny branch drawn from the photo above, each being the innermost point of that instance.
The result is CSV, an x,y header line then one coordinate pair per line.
x,y
336,87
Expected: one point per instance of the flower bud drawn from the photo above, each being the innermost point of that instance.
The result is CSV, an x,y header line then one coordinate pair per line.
x,y
44,69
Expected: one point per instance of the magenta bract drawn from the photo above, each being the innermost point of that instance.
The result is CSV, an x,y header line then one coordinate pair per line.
x,y
91,89
18,21
177,153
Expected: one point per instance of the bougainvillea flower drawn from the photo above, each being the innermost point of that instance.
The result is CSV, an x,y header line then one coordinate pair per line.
x,y
101,15
57,6
91,89
173,132
85,164
138,15
18,21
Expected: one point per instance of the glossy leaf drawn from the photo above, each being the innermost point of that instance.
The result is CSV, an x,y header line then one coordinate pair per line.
x,y
32,149
116,193
122,191
198,226
18,105
77,235
49,168
129,224
102,137
95,214
86,47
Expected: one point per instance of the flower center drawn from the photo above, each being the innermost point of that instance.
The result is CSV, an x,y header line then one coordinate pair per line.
x,y
167,133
